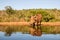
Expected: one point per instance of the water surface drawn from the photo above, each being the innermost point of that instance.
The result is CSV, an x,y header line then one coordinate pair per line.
x,y
20,36
22,33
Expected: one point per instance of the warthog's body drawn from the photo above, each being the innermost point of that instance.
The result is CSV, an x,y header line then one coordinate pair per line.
x,y
36,20
32,20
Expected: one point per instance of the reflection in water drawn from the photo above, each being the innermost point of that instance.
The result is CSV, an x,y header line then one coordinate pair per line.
x,y
27,33
24,29
13,29
27,30
35,32
8,31
32,31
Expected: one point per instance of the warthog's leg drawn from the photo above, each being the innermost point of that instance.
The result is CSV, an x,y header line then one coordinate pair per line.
x,y
33,24
40,25
37,25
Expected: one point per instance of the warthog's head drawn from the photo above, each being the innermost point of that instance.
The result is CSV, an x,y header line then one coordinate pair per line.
x,y
36,18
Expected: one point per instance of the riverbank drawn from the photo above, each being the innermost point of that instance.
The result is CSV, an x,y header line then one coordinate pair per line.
x,y
28,23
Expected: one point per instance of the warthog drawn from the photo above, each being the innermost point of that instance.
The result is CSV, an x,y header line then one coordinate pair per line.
x,y
32,20
36,20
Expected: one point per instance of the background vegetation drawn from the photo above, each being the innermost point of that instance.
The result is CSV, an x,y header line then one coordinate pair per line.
x,y
11,15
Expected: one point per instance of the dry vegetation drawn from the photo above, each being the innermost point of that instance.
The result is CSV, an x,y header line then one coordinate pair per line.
x,y
11,15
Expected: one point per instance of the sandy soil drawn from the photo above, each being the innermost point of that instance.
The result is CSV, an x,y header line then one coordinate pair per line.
x,y
28,23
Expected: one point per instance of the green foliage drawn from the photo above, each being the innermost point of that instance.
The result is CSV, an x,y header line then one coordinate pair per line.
x,y
48,15
9,10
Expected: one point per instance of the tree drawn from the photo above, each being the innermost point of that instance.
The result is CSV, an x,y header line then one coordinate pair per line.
x,y
9,10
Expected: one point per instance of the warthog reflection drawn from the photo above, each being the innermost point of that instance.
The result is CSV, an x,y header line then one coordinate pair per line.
x,y
35,32
32,31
